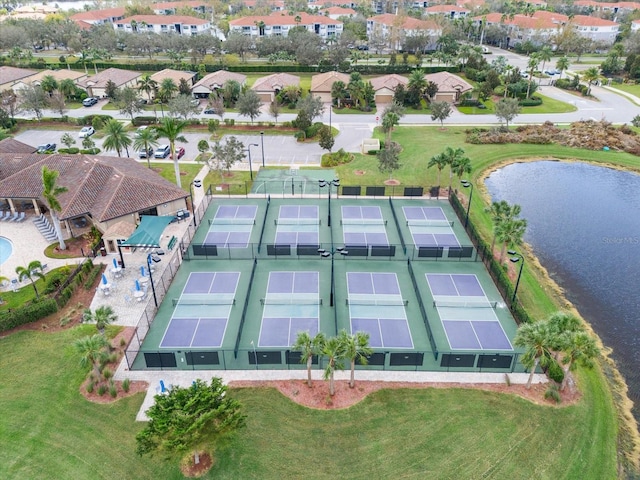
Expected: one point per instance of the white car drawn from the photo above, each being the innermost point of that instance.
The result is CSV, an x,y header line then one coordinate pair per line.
x,y
86,132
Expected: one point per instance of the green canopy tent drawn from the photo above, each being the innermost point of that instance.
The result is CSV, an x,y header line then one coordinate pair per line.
x,y
148,233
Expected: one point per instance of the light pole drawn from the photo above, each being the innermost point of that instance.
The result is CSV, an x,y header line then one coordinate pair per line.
x,y
329,183
249,152
153,288
515,259
467,184
197,184
262,145
331,253
255,354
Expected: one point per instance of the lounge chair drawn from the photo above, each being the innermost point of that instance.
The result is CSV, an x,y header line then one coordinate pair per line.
x,y
21,217
6,215
14,217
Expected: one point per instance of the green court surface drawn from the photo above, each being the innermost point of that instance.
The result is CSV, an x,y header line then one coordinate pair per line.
x,y
296,181
370,244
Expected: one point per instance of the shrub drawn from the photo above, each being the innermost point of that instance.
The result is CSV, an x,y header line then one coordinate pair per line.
x,y
65,320
102,389
213,125
97,123
636,121
530,102
470,102
300,136
138,121
90,151
90,387
126,385
313,130
336,158
553,393
56,278
107,373
113,391
555,372
27,313
70,150
564,83
88,120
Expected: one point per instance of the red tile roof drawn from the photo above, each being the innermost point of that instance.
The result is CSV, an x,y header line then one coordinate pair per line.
x,y
446,9
279,19
163,20
390,81
323,82
408,23
277,80
98,15
587,21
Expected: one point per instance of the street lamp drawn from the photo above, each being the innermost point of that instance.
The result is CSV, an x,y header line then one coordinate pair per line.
x,y
255,354
330,253
249,152
329,183
467,184
153,288
197,184
262,144
515,259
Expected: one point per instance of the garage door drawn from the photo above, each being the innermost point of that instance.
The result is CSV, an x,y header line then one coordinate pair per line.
x,y
265,97
384,99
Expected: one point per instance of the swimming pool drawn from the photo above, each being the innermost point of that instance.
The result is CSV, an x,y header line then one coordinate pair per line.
x,y
6,249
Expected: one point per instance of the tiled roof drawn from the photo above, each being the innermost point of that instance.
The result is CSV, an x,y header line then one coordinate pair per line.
x,y
323,82
119,230
105,187
339,11
277,80
587,21
166,5
408,23
175,75
57,74
99,15
116,75
219,78
162,20
11,145
446,9
279,19
448,82
390,81
525,21
13,74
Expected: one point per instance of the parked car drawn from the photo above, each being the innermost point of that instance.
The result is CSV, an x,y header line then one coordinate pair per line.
x,y
46,147
550,72
86,132
209,111
179,153
89,101
141,129
162,151
142,153
363,48
195,102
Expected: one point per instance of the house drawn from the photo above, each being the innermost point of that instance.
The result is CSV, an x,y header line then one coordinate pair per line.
x,y
607,7
176,24
635,25
595,29
279,25
96,85
541,28
268,87
98,17
336,12
9,76
215,81
397,27
108,190
322,83
11,145
385,87
176,75
58,75
450,87
172,8
274,5
452,12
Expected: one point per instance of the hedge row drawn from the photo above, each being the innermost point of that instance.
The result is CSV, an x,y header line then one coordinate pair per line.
x,y
91,277
27,314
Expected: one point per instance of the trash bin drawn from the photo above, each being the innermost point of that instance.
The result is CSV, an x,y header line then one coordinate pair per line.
x,y
103,252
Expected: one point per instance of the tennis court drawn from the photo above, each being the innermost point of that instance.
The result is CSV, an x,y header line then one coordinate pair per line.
x,y
363,225
291,305
297,225
430,227
294,181
467,315
231,226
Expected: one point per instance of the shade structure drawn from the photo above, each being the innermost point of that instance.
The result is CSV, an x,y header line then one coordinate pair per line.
x,y
149,232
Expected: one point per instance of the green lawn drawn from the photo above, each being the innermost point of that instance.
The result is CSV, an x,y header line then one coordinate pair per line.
x,y
50,431
167,171
549,105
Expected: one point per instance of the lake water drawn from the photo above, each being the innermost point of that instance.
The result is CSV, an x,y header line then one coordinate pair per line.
x,y
584,226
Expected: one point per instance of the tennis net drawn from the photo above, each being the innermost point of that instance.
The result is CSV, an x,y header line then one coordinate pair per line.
x,y
291,301
363,221
297,221
400,302
232,221
465,304
429,223
201,300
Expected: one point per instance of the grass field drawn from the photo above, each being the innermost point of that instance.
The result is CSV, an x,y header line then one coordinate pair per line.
x,y
50,431
549,105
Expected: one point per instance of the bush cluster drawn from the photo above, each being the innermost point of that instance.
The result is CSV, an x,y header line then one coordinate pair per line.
x,y
27,314
336,158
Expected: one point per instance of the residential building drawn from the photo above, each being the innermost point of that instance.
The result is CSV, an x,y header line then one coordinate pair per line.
x,y
176,75
322,83
98,17
173,8
541,28
450,87
9,76
176,24
608,7
215,81
635,25
595,29
385,87
279,25
452,12
96,85
274,5
398,27
58,75
268,87
336,12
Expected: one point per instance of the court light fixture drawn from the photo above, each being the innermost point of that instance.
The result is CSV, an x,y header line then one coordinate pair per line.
x,y
467,184
329,183
515,258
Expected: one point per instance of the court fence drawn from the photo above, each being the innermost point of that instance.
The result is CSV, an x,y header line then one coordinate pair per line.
x,y
496,270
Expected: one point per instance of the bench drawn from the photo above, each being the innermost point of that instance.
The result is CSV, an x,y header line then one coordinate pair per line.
x,y
172,242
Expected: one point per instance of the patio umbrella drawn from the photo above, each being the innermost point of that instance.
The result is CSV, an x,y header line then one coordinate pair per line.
x,y
142,272
137,285
104,279
115,263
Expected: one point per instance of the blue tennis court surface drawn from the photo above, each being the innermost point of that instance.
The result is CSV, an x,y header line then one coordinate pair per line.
x,y
363,225
430,227
298,225
231,226
291,305
376,307
202,312
468,317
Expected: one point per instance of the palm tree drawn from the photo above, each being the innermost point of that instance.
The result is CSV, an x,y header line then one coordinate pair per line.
x,y
167,89
171,129
333,349
103,316
439,161
535,338
144,139
92,350
356,90
31,271
67,88
545,55
563,64
460,167
590,75
116,137
453,157
534,61
356,348
309,347
49,84
338,92
500,212
581,349
147,85
50,192
416,86
510,233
